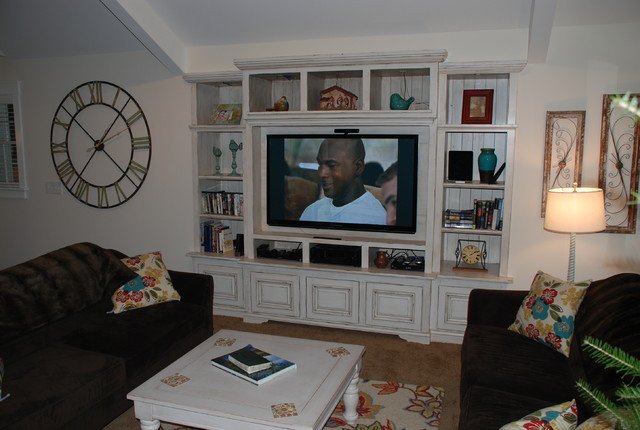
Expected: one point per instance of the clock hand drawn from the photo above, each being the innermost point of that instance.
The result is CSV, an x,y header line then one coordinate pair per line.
x,y
102,142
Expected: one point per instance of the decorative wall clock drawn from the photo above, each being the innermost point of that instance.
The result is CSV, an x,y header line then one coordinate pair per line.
x,y
619,146
100,144
563,151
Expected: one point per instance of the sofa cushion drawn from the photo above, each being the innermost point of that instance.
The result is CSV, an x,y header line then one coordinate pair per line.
x,y
547,313
485,408
55,285
152,285
145,337
497,358
557,417
50,387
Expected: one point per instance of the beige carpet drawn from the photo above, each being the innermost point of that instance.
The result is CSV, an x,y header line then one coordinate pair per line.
x,y
388,358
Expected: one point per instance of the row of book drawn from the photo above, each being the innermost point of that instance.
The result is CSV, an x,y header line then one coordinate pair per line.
x,y
485,215
215,237
222,203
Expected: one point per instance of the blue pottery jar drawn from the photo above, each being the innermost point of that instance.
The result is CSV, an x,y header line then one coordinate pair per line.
x,y
487,161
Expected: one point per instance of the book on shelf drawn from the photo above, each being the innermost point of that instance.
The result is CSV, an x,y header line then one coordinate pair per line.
x,y
485,215
222,203
215,237
278,366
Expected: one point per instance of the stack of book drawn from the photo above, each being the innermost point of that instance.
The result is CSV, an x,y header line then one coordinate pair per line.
x,y
485,215
253,364
215,237
222,203
455,218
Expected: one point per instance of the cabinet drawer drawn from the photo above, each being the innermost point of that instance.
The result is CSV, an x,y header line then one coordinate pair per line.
x,y
275,294
227,285
394,306
332,300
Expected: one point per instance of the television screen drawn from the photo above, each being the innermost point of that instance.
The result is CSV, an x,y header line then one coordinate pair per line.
x,y
354,182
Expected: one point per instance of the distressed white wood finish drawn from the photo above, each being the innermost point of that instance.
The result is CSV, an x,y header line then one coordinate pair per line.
x,y
228,292
333,300
215,399
394,305
275,293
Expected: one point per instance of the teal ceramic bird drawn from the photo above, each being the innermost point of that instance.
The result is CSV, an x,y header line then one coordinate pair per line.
x,y
398,103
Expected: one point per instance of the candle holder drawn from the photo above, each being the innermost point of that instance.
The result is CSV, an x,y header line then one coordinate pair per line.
x,y
217,153
234,147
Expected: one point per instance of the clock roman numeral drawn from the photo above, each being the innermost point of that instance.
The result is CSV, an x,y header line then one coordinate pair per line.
x,y
77,99
133,118
65,171
57,148
115,98
103,199
141,143
119,193
62,124
137,168
95,88
81,190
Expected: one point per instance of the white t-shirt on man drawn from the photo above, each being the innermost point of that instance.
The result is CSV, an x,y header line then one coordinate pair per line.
x,y
366,209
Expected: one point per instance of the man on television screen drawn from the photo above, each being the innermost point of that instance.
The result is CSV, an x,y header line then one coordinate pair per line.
x,y
388,183
340,168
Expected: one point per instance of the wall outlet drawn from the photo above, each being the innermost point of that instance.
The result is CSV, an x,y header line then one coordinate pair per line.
x,y
53,188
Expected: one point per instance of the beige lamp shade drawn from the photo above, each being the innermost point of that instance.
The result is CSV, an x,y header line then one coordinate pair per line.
x,y
575,210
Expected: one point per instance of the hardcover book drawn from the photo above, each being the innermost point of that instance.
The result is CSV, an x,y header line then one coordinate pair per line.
x,y
247,359
278,367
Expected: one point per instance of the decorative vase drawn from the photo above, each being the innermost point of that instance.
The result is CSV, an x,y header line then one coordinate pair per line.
x,y
487,161
234,147
217,153
382,259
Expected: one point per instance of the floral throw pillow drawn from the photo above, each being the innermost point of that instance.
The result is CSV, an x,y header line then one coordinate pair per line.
x,y
558,417
152,285
598,422
547,313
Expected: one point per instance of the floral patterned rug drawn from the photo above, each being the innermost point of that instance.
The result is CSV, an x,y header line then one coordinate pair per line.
x,y
392,406
386,406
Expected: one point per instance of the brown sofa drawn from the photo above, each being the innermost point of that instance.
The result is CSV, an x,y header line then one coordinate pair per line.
x,y
69,364
506,376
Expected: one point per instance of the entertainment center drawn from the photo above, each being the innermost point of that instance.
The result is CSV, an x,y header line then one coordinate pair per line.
x,y
291,268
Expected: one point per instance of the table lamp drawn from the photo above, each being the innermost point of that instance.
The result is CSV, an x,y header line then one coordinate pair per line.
x,y
574,210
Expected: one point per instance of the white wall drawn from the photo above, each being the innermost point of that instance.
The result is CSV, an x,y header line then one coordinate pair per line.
x,y
583,64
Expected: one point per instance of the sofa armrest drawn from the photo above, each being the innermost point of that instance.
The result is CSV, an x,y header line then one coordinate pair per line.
x,y
494,307
194,288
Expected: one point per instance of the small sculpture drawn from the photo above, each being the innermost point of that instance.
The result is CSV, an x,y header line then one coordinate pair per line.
x,y
337,98
281,105
234,147
398,103
217,153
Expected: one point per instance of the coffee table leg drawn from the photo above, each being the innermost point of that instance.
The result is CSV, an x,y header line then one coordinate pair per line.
x,y
350,399
149,424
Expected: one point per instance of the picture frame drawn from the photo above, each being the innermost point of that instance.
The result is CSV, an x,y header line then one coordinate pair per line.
x,y
477,106
563,146
227,114
618,173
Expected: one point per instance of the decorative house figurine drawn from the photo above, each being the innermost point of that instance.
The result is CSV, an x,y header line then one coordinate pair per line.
x,y
336,98
281,105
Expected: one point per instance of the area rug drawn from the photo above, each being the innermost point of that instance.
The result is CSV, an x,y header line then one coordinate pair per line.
x,y
386,406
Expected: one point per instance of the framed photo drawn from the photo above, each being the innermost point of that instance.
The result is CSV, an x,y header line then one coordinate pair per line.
x,y
477,106
563,142
618,176
227,114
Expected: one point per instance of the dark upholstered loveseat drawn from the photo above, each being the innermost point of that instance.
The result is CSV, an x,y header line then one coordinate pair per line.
x,y
68,363
506,376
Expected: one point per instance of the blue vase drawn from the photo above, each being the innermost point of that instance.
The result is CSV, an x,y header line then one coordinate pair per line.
x,y
487,161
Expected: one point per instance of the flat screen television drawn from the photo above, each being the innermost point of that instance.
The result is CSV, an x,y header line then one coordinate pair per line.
x,y
361,182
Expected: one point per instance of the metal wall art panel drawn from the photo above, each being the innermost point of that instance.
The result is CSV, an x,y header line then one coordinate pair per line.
x,y
564,137
618,177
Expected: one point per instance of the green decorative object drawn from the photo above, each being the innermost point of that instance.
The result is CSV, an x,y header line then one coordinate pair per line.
x,y
487,161
217,153
397,102
234,147
627,410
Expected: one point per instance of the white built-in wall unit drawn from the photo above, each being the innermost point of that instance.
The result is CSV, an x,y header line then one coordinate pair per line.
x,y
419,306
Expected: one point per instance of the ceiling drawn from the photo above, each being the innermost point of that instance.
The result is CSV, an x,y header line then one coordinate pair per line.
x,y
53,28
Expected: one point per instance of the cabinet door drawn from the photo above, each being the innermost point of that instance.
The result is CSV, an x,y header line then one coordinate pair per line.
x,y
394,306
275,294
332,300
227,285
452,307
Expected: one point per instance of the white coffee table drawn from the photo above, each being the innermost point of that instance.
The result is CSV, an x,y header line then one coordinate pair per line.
x,y
213,399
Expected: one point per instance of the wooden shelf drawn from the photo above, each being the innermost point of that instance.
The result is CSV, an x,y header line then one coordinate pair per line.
x,y
219,216
474,185
221,177
473,231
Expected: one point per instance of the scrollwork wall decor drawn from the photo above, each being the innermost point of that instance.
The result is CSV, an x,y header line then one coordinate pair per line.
x,y
564,136
618,176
